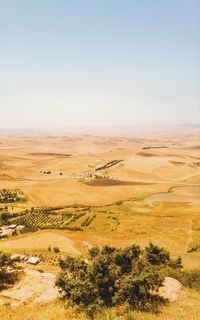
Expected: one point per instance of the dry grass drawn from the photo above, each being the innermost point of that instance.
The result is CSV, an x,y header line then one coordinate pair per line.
x,y
40,240
186,308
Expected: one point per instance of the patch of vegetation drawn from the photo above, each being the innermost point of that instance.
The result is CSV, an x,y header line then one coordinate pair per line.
x,y
119,203
189,278
5,217
56,249
154,147
29,228
8,270
46,219
47,172
109,164
106,181
112,277
10,195
88,221
50,257
194,249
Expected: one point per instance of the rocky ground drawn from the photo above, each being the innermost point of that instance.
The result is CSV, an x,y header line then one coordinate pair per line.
x,y
34,287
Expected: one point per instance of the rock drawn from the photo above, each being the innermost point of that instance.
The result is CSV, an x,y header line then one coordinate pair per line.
x,y
170,289
34,287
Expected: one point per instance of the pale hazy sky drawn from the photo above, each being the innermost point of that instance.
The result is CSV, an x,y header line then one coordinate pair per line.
x,y
99,62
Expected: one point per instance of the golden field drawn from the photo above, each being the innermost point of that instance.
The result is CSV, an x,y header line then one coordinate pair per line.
x,y
153,194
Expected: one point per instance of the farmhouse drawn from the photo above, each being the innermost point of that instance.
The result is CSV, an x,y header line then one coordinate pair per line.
x,y
6,231
12,226
91,176
33,260
20,227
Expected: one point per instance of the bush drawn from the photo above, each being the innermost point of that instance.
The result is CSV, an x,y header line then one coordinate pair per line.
x,y
119,203
194,249
188,278
5,217
159,256
8,270
191,279
112,277
56,249
29,228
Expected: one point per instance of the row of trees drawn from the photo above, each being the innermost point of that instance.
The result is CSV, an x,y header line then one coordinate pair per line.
x,y
113,276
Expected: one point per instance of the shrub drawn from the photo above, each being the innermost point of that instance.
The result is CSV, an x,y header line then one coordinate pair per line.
x,y
119,203
56,249
193,249
8,270
112,277
159,256
188,278
191,279
5,217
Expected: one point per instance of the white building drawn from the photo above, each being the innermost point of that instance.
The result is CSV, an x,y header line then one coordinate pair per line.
x,y
33,260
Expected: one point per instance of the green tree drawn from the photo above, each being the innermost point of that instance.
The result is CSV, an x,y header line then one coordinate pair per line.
x,y
160,257
5,217
8,270
113,276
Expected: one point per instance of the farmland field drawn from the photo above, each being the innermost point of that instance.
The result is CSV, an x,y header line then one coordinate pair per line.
x,y
150,193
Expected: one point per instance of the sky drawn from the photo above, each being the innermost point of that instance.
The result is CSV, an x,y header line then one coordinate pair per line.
x,y
99,63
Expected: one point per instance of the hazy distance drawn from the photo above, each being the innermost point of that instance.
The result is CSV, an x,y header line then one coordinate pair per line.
x,y
99,63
